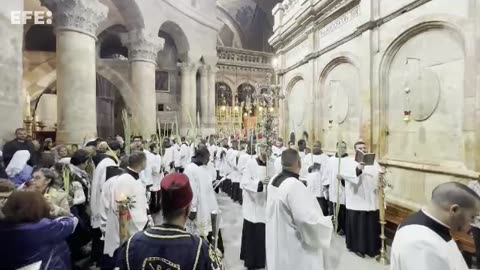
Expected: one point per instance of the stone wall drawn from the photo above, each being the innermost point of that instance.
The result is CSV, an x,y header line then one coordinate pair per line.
x,y
11,97
366,64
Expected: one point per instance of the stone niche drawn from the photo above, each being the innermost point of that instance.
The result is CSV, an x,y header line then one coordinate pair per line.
x,y
339,92
423,74
299,110
428,81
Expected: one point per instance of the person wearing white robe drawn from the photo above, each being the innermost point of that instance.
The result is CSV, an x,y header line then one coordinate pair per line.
x,y
184,155
204,202
297,233
122,187
252,250
423,240
316,163
168,160
335,180
176,156
277,149
233,154
96,204
302,151
361,200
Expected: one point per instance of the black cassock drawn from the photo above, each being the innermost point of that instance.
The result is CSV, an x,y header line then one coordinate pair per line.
x,y
166,247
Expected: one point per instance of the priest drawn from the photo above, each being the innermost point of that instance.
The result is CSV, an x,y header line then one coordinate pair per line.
x,y
423,240
278,148
252,250
184,154
204,202
126,186
361,195
168,159
297,233
338,168
96,205
316,163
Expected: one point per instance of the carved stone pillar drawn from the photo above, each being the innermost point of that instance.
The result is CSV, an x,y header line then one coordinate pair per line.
x,y
143,47
188,103
204,95
76,22
212,121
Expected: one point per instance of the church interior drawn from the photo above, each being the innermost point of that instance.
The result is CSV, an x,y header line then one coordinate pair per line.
x,y
399,75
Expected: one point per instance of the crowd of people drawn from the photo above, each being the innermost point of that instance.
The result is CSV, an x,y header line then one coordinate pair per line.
x,y
61,207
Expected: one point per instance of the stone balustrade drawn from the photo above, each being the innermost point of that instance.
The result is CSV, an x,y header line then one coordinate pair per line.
x,y
246,58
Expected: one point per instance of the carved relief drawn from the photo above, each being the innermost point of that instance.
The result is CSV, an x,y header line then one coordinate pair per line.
x,y
340,21
78,15
143,45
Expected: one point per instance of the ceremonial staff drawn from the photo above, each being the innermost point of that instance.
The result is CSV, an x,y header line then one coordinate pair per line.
x,y
382,258
337,204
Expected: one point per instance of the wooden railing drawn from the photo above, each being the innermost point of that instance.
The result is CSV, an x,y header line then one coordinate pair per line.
x,y
241,57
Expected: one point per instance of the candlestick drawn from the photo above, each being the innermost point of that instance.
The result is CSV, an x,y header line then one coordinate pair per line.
x,y
382,258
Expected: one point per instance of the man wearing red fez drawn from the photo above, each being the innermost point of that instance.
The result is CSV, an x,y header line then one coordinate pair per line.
x,y
169,246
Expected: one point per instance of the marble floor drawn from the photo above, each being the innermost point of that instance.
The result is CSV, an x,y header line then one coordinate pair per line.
x,y
232,222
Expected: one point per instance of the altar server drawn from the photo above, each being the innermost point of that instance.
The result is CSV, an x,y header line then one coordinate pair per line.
x,y
233,173
278,148
316,163
254,200
361,194
334,178
297,233
423,240
204,201
127,186
168,160
184,154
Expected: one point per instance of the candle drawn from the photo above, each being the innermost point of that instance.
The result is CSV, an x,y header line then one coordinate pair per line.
x,y
27,111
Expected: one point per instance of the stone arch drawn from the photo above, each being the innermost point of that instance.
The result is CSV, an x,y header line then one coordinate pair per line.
x,y
123,86
336,100
290,125
449,27
131,13
179,37
109,44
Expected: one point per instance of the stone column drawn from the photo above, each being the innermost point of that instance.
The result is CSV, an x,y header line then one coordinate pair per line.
x,y
143,47
204,95
212,121
11,72
76,22
188,102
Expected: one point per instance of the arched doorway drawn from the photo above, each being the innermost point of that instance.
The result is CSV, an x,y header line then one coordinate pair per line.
x,y
109,109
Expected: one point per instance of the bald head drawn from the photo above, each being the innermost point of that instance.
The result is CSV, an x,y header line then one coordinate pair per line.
x,y
454,193
291,160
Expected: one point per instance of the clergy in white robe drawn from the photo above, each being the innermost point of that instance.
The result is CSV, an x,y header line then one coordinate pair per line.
x,y
184,155
122,187
204,202
302,147
233,154
99,177
297,233
316,163
176,156
361,200
252,250
334,178
278,148
423,240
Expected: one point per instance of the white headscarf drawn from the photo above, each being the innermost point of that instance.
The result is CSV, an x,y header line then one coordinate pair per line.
x,y
18,162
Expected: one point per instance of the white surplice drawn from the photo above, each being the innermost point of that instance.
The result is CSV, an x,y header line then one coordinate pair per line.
x,y
176,155
277,151
185,158
277,165
124,186
416,247
152,170
204,201
254,202
99,177
329,177
296,230
168,158
231,158
314,179
361,193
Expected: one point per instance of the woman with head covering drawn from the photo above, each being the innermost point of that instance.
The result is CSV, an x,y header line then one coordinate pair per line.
x,y
61,154
43,181
18,170
31,237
